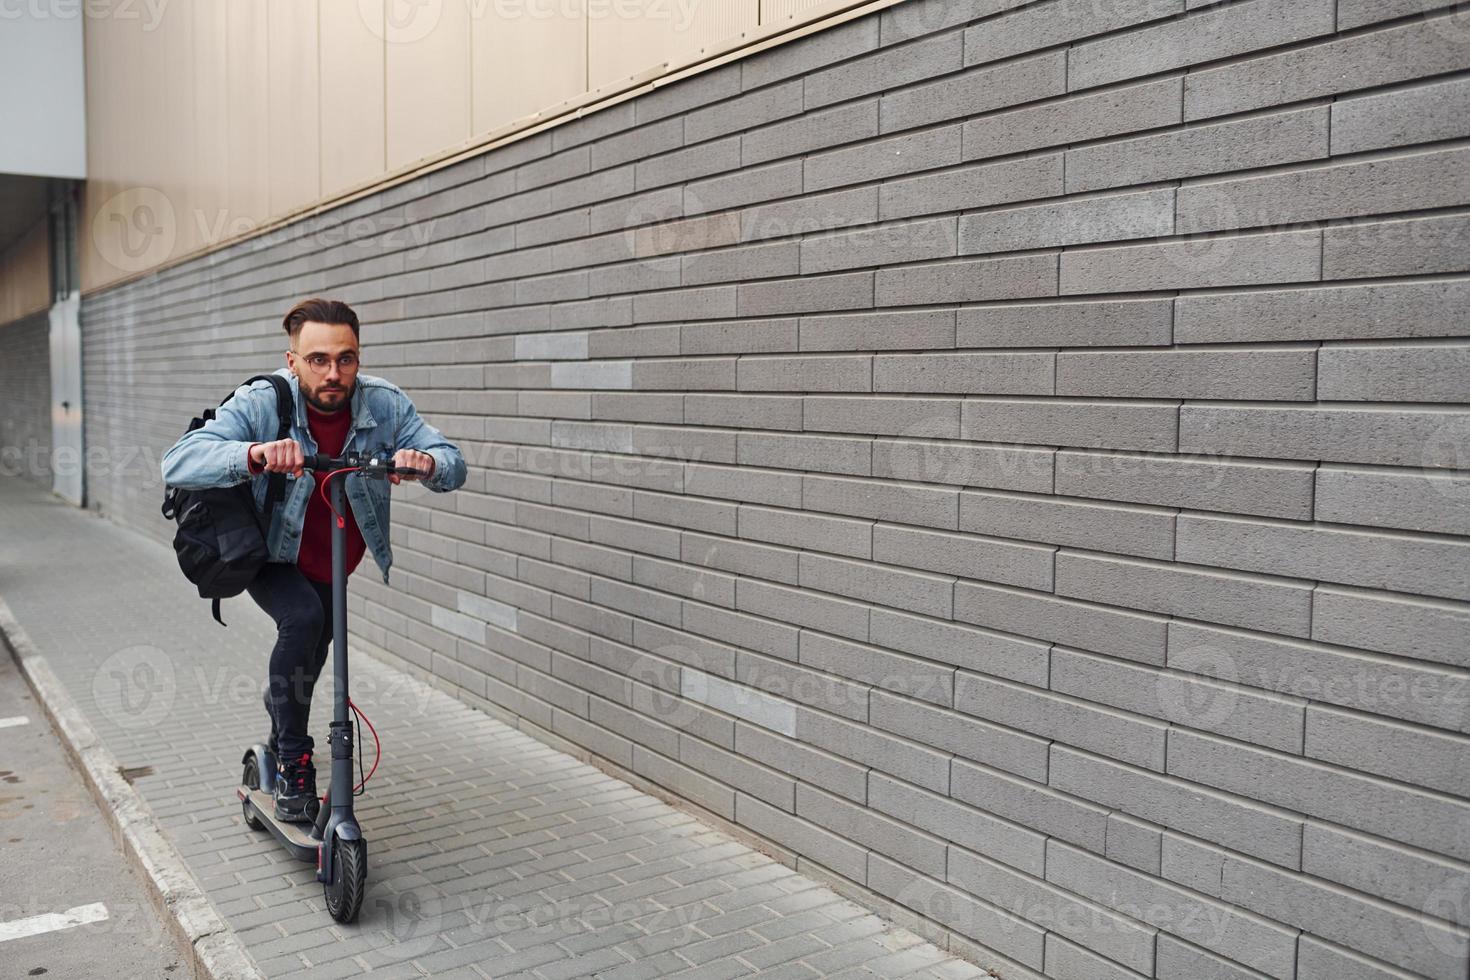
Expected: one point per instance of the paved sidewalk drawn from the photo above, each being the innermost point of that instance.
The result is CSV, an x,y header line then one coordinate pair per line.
x,y
490,854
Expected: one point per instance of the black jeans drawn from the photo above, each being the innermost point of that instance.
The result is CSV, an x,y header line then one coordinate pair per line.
x,y
302,610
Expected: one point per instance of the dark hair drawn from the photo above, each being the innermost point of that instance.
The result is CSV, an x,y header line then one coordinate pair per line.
x,y
319,311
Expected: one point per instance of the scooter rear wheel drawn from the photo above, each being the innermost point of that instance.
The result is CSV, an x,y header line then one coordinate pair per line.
x,y
250,778
349,879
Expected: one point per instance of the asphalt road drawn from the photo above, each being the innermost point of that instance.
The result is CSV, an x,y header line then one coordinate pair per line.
x,y
71,907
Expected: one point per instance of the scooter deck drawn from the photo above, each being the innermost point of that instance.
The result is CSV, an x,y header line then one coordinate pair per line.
x,y
296,836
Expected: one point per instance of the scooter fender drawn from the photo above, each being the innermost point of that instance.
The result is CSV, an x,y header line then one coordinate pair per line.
x,y
346,829
265,764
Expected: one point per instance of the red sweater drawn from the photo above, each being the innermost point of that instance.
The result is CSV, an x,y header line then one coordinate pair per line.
x,y
329,429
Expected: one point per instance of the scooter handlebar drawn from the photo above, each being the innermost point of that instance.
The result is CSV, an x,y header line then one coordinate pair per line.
x,y
380,466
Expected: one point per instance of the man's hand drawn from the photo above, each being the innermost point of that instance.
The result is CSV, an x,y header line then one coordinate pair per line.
x,y
282,456
413,459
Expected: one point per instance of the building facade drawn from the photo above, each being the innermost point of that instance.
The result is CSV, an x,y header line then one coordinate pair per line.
x,y
1011,458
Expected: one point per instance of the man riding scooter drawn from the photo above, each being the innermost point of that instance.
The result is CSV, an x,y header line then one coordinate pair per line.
x,y
337,410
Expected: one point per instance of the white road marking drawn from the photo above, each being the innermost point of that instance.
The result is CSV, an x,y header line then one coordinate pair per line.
x,y
12,722
52,921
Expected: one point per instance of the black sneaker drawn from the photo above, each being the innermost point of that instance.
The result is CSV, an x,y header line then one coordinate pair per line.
x,y
295,789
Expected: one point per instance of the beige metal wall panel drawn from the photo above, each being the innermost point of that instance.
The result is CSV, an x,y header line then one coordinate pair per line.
x,y
428,78
787,12
248,63
295,165
170,131
25,275
353,149
208,181
661,31
528,55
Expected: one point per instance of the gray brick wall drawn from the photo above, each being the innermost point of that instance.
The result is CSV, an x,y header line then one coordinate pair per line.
x,y
1013,456
25,399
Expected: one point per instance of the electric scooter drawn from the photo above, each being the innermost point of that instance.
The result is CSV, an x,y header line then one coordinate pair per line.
x,y
332,837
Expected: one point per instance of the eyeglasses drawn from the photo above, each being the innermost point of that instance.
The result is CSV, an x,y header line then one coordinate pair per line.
x,y
319,363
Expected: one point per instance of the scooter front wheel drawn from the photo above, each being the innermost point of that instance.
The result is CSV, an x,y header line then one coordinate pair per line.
x,y
349,879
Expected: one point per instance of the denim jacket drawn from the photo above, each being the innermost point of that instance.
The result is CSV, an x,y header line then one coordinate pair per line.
x,y
383,417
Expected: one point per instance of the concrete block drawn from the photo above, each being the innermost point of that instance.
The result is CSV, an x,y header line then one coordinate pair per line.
x,y
1412,309
876,667
822,454
967,826
1024,565
1423,114
1132,635
898,330
1321,960
1276,374
810,131
1402,813
738,336
1400,625
885,68
1211,35
882,500
834,535
1144,531
1196,483
1409,499
1299,669
1067,422
1031,805
915,591
975,91
1403,437
744,411
1425,758
956,373
1064,720
1261,831
1408,182
803,608
845,372
809,764
1136,843
1359,923
1068,961
1238,144
1410,374
1061,21
859,743
964,464
932,417
1119,938
1268,604
972,738
975,186
966,280
893,157
982,650
747,703
1384,870
742,112
1230,932
1075,323
1414,50
1111,112
809,213
1181,698
1072,221
1415,246
861,825
1372,559
1235,260
811,294
793,60
885,244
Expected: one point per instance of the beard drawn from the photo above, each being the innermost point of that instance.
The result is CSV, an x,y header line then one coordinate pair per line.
x,y
342,397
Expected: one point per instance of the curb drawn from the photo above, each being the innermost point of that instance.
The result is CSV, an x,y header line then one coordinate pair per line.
x,y
216,953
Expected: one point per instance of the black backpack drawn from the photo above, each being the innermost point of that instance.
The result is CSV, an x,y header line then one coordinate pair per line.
x,y
220,542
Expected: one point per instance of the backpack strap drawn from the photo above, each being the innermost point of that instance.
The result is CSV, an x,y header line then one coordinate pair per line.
x,y
214,608
285,409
